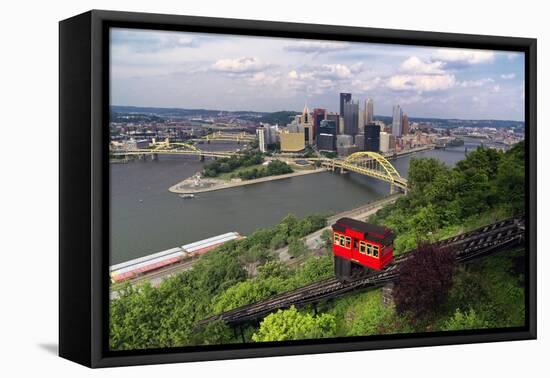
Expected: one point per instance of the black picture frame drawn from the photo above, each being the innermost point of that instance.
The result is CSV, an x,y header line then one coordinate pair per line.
x,y
84,185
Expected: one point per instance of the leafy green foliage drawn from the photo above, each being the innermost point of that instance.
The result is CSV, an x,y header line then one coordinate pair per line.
x,y
296,247
361,314
493,289
280,118
293,325
164,316
274,168
225,165
465,320
442,198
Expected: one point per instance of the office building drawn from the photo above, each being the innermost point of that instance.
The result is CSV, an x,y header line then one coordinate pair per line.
x,y
267,135
397,121
406,126
328,126
292,141
387,142
318,116
369,111
361,123
335,118
372,137
359,141
306,123
351,118
343,140
326,142
346,150
260,132
344,97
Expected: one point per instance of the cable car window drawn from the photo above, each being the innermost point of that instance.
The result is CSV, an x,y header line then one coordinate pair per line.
x,y
348,242
375,251
342,240
369,249
336,238
362,247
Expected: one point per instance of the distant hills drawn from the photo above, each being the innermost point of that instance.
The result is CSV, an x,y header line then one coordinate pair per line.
x,y
154,114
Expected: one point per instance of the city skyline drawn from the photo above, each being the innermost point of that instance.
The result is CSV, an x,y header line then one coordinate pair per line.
x,y
194,70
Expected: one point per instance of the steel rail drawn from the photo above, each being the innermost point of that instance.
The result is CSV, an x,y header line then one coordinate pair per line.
x,y
467,246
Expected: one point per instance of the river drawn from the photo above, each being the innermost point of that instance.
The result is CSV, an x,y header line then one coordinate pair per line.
x,y
146,218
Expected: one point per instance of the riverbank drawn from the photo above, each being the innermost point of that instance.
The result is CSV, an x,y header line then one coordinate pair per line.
x,y
312,241
183,187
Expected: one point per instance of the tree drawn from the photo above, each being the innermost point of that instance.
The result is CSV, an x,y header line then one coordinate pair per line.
x,y
293,325
326,239
296,247
424,280
464,320
278,241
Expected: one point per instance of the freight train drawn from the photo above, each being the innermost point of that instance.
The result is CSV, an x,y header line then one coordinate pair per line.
x,y
359,247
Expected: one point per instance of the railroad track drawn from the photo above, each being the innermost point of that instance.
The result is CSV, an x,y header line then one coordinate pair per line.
x,y
468,246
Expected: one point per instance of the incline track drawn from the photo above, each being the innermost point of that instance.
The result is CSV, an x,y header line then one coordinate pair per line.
x,y
467,246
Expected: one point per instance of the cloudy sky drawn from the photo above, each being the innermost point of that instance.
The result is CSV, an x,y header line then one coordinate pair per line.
x,y
209,71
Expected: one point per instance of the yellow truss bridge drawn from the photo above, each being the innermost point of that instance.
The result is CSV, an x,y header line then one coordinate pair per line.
x,y
370,164
230,137
172,148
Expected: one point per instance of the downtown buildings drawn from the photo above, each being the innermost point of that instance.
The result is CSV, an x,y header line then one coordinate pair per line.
x,y
353,129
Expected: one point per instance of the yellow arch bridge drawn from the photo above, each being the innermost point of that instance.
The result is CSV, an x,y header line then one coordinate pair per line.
x,y
370,164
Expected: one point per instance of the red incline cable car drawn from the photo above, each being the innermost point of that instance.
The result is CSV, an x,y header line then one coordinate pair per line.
x,y
358,245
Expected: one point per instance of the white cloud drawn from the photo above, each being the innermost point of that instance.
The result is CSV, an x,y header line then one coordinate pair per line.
x,y
421,83
496,89
464,56
509,76
241,65
475,83
366,85
325,71
316,46
261,78
415,65
335,71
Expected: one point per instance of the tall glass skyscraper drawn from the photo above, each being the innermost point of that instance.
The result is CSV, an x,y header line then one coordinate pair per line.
x,y
344,97
397,121
351,118
369,111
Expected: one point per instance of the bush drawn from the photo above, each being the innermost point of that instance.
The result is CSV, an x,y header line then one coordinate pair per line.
x,y
424,280
293,325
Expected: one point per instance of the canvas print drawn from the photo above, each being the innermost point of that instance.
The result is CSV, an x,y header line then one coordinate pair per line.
x,y
274,190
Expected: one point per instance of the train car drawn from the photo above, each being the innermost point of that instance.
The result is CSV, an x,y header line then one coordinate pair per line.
x,y
205,245
130,269
359,246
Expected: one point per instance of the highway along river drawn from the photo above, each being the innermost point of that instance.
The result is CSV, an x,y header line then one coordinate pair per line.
x,y
146,218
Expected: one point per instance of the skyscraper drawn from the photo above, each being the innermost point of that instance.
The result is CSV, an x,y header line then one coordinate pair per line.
x,y
405,124
351,118
344,97
307,124
369,111
318,116
372,137
397,121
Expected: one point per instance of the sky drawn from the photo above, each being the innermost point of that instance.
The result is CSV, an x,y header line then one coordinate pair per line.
x,y
226,72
